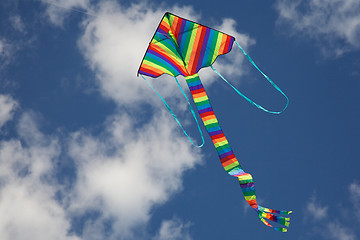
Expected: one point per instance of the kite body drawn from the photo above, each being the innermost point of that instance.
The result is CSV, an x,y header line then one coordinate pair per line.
x,y
183,47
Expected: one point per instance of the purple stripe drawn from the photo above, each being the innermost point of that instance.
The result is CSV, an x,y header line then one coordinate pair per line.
x,y
147,74
209,109
162,32
215,133
231,43
226,154
247,185
183,22
192,88
164,58
203,49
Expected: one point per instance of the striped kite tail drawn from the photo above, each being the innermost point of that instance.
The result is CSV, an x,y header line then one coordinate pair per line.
x,y
248,188
227,156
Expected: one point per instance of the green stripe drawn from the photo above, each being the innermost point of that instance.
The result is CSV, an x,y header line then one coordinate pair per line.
x,y
202,103
217,47
192,34
250,193
187,41
194,79
246,181
222,147
213,45
164,65
228,168
211,125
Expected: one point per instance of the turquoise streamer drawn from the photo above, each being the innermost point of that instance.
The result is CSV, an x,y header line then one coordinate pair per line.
x,y
173,114
267,78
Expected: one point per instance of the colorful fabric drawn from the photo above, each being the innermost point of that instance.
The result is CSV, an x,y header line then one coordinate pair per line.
x,y
182,47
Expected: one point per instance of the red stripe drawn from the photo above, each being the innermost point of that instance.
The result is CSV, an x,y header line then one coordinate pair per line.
x,y
178,26
227,42
225,159
164,27
217,136
229,162
198,51
151,47
148,70
207,114
201,90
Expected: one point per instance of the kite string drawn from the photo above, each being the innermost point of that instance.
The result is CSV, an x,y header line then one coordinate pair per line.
x,y
173,114
266,77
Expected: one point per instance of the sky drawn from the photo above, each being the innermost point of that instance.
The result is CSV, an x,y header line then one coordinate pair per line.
x,y
89,152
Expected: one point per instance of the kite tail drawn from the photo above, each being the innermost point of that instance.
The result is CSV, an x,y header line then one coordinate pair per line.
x,y
248,188
227,156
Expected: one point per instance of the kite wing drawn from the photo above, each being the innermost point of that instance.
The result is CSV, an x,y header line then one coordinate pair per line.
x,y
183,47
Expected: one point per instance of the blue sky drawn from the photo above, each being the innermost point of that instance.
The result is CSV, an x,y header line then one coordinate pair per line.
x,y
88,151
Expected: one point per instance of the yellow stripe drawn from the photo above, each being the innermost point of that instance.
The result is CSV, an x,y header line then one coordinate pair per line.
x,y
200,99
157,67
191,43
216,50
221,143
192,76
248,198
245,177
210,121
231,165
169,52
172,55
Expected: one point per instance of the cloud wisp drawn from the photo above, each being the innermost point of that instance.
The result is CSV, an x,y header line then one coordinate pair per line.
x,y
336,22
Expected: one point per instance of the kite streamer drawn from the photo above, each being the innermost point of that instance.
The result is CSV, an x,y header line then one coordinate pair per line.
x,y
182,47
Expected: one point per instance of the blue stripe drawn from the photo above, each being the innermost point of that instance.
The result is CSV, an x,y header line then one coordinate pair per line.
x,y
222,151
213,129
192,84
208,52
201,107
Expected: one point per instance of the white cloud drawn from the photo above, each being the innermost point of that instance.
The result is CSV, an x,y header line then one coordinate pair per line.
x,y
6,52
315,210
7,108
17,23
354,190
338,232
337,22
28,207
114,44
58,10
174,229
129,171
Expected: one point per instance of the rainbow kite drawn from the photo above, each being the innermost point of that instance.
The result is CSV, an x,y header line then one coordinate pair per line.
x,y
183,47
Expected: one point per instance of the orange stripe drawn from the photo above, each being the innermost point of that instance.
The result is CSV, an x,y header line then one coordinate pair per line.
x,y
203,94
219,140
230,161
253,203
208,117
173,58
223,43
202,31
164,25
145,66
195,48
175,26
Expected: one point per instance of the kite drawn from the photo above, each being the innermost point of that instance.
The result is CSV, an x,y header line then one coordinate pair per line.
x,y
182,47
